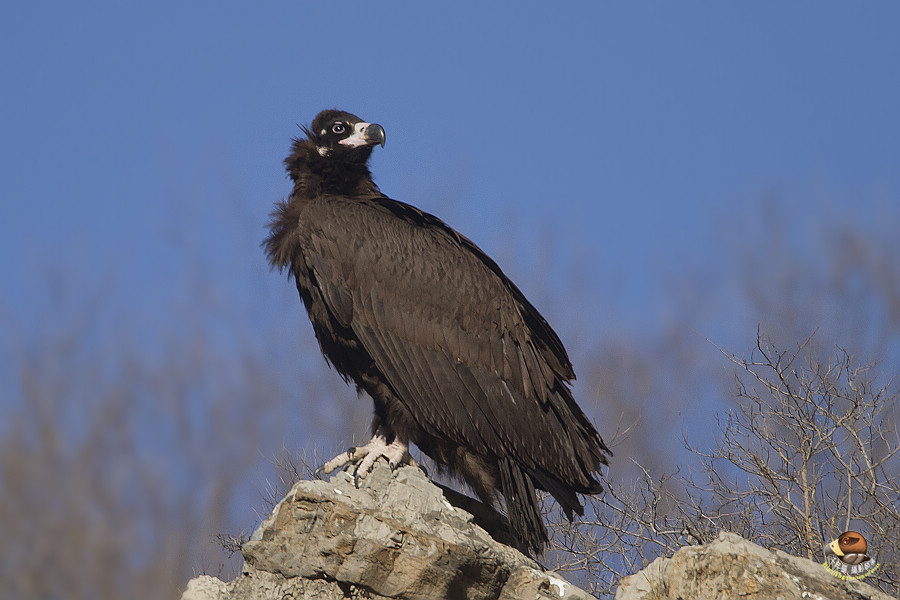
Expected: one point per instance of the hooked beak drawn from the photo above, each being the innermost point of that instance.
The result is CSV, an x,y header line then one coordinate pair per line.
x,y
365,134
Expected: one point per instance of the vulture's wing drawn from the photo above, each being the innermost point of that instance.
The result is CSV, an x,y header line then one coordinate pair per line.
x,y
469,357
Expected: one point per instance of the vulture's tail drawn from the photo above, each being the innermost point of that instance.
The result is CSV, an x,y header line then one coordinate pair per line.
x,y
522,507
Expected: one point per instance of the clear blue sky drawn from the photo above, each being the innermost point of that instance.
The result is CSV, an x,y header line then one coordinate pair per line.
x,y
636,125
129,132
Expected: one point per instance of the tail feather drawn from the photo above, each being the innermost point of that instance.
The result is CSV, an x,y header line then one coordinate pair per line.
x,y
522,507
564,494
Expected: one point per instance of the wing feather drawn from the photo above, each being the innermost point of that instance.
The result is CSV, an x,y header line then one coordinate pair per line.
x,y
471,360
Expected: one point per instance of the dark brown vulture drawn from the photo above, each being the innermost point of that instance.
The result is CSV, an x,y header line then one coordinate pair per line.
x,y
455,358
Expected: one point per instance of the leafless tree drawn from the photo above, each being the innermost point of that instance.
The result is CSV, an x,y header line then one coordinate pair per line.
x,y
773,474
810,450
816,444
110,484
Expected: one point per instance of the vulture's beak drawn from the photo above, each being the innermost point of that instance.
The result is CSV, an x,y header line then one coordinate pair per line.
x,y
365,134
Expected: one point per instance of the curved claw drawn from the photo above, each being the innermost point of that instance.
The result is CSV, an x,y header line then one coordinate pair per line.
x,y
364,457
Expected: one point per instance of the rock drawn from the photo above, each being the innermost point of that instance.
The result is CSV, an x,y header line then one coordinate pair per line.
x,y
732,567
396,536
204,588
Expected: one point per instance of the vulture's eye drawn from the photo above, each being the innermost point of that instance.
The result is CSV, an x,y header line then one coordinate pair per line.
x,y
338,128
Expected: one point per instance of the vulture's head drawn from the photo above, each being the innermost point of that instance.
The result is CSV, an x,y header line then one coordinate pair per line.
x,y
345,137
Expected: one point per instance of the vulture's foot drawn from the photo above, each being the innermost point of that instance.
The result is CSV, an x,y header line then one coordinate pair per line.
x,y
364,457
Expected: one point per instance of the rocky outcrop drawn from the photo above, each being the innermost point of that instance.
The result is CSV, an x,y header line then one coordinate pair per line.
x,y
732,567
396,536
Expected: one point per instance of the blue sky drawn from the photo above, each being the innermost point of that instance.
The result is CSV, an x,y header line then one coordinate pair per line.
x,y
636,127
628,139
614,143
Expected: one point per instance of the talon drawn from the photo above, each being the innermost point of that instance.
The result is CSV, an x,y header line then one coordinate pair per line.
x,y
364,457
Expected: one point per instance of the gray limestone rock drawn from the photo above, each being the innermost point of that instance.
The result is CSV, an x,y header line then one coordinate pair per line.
x,y
397,537
732,567
394,537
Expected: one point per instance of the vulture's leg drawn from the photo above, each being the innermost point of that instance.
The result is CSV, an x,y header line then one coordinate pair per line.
x,y
397,453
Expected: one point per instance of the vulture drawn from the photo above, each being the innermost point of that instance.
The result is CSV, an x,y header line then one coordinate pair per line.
x,y
456,360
